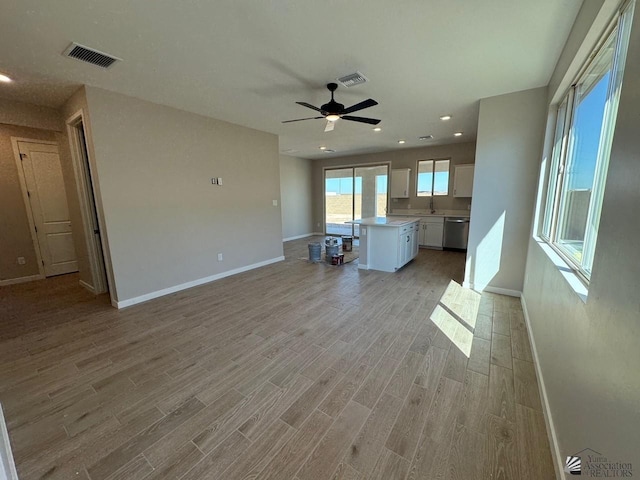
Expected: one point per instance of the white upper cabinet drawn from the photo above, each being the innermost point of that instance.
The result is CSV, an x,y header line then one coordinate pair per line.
x,y
463,180
400,182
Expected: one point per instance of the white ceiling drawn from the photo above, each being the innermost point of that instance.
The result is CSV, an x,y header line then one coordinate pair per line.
x,y
249,61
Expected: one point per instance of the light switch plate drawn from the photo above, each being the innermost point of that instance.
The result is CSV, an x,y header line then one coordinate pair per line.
x,y
275,203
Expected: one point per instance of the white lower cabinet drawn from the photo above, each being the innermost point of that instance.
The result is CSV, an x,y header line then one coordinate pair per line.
x,y
432,232
388,248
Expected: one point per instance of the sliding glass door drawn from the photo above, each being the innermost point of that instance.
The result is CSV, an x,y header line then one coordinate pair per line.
x,y
353,193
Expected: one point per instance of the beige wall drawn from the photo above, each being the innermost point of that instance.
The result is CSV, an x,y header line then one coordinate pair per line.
x,y
459,153
27,115
15,232
38,123
588,352
510,136
165,221
295,191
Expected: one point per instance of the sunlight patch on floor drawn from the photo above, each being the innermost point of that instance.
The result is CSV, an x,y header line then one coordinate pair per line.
x,y
456,314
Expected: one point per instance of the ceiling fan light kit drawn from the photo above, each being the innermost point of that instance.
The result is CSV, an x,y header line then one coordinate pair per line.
x,y
332,111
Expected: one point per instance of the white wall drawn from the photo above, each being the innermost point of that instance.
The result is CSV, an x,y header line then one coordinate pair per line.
x,y
165,221
589,353
510,135
296,195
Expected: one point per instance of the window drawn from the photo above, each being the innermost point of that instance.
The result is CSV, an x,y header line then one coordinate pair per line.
x,y
433,178
582,144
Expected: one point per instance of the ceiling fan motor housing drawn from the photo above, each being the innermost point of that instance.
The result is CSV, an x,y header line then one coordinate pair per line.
x,y
332,107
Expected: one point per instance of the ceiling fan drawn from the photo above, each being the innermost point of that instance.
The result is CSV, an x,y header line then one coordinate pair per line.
x,y
334,111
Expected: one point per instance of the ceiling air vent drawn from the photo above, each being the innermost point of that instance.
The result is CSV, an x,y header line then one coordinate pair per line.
x,y
89,55
352,79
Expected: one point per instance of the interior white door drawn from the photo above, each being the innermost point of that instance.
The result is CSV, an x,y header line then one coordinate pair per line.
x,y
48,200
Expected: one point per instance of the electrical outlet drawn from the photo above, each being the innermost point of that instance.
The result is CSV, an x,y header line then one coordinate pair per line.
x,y
214,181
21,261
275,203
219,180
219,257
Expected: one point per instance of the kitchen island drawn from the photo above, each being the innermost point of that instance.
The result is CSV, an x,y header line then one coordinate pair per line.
x,y
387,243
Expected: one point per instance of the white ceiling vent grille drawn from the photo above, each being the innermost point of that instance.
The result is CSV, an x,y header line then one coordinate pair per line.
x,y
352,79
90,55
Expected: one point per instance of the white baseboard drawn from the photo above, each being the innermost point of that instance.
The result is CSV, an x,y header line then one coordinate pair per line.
x,y
318,233
546,410
498,290
87,286
7,465
13,281
297,237
183,286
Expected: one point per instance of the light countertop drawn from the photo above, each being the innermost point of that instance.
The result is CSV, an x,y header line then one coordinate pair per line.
x,y
424,213
394,221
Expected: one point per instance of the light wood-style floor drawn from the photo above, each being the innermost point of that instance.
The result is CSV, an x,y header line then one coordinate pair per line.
x,y
292,371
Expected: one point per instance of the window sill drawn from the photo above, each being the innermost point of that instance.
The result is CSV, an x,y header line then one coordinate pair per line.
x,y
567,272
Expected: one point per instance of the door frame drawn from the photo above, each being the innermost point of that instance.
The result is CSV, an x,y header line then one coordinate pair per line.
x,y
25,197
354,166
100,272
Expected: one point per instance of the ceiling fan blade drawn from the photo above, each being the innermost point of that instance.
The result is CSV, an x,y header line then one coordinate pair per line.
x,y
360,106
371,121
329,126
308,105
300,119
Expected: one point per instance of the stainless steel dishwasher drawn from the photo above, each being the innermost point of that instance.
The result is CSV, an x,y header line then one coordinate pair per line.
x,y
456,232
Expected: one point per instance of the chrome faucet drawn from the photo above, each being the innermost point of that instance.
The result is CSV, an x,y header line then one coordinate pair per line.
x,y
431,204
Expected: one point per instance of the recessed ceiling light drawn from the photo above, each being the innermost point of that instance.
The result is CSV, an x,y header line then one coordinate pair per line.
x,y
445,117
322,148
426,137
377,129
400,142
5,79
457,134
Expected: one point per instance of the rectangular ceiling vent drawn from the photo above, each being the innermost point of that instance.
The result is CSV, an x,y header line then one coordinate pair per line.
x,y
90,55
352,79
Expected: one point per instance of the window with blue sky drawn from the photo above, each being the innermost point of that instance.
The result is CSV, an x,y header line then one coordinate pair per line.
x,y
583,136
433,178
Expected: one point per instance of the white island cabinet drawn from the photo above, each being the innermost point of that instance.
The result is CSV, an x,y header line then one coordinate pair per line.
x,y
387,244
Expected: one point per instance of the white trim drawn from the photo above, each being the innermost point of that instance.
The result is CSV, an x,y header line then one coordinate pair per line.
x,y
101,274
318,233
7,465
546,410
87,286
498,290
30,278
193,283
297,237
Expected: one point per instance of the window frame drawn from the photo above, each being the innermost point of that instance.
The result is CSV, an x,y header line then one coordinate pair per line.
x,y
433,161
565,116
